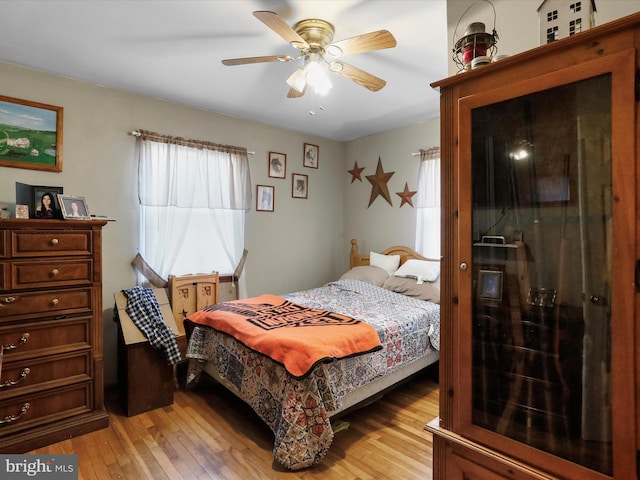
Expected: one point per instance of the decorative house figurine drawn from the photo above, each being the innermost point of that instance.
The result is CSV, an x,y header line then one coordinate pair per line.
x,y
562,18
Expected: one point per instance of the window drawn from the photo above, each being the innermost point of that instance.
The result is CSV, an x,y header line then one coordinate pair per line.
x,y
575,7
552,15
428,204
193,199
575,26
552,34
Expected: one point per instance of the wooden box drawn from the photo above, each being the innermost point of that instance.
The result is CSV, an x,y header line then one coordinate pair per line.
x,y
145,378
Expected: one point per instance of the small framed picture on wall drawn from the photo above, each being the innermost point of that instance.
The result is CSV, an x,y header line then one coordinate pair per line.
x,y
264,198
277,165
311,155
299,185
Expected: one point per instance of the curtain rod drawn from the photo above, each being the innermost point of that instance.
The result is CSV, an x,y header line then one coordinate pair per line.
x,y
135,133
428,151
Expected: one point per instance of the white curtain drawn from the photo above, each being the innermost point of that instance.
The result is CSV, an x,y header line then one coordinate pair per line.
x,y
428,204
193,198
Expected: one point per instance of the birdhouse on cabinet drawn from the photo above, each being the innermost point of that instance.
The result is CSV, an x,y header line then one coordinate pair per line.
x,y
563,18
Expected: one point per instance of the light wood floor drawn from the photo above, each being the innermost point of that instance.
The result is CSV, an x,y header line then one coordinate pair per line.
x,y
209,434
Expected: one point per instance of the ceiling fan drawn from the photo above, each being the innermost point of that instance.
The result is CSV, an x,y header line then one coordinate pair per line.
x,y
313,37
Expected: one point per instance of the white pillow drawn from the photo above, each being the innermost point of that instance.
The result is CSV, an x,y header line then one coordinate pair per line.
x,y
389,263
421,270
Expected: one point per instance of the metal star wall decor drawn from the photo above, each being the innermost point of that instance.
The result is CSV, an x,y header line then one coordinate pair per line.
x,y
355,173
379,184
406,195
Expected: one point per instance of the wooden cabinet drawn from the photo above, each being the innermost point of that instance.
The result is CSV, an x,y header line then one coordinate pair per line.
x,y
539,362
51,381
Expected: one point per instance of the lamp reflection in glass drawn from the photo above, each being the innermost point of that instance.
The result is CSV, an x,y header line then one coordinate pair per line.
x,y
520,150
313,73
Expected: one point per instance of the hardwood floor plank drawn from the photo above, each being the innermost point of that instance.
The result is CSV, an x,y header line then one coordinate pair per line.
x,y
207,433
132,458
192,443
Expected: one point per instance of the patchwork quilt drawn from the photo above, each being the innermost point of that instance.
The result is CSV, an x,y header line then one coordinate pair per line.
x,y
297,409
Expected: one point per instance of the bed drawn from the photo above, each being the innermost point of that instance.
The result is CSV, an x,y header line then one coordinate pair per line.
x,y
394,294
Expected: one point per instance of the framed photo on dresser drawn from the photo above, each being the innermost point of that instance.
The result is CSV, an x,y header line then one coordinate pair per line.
x,y
73,207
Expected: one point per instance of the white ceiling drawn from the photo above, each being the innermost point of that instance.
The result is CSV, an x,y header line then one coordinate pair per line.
x,y
172,49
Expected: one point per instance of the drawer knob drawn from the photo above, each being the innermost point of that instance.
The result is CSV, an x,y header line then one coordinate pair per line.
x,y
9,300
55,302
12,346
55,272
10,383
13,418
54,241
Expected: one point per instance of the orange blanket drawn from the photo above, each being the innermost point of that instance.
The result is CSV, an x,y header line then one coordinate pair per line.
x,y
295,336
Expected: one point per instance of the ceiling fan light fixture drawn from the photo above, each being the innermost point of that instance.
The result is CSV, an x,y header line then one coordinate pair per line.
x,y
297,80
313,38
317,77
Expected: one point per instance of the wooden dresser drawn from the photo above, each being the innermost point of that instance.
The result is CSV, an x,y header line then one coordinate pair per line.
x,y
51,382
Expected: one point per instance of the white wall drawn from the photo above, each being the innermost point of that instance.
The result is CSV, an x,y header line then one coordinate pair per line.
x,y
382,225
99,163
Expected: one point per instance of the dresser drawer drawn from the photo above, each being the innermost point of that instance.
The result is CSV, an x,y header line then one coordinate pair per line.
x,y
37,339
43,243
26,411
51,302
39,373
50,273
4,239
5,280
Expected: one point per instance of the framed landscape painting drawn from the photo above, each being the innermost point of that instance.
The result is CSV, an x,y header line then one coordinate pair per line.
x,y
30,135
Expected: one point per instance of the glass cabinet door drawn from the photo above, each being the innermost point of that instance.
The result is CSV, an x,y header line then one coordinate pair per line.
x,y
541,215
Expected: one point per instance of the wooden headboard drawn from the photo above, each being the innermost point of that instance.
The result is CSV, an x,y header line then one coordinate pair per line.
x,y
406,253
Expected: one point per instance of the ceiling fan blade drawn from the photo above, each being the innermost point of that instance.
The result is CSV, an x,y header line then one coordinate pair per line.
x,y
293,93
358,76
282,28
368,42
247,60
